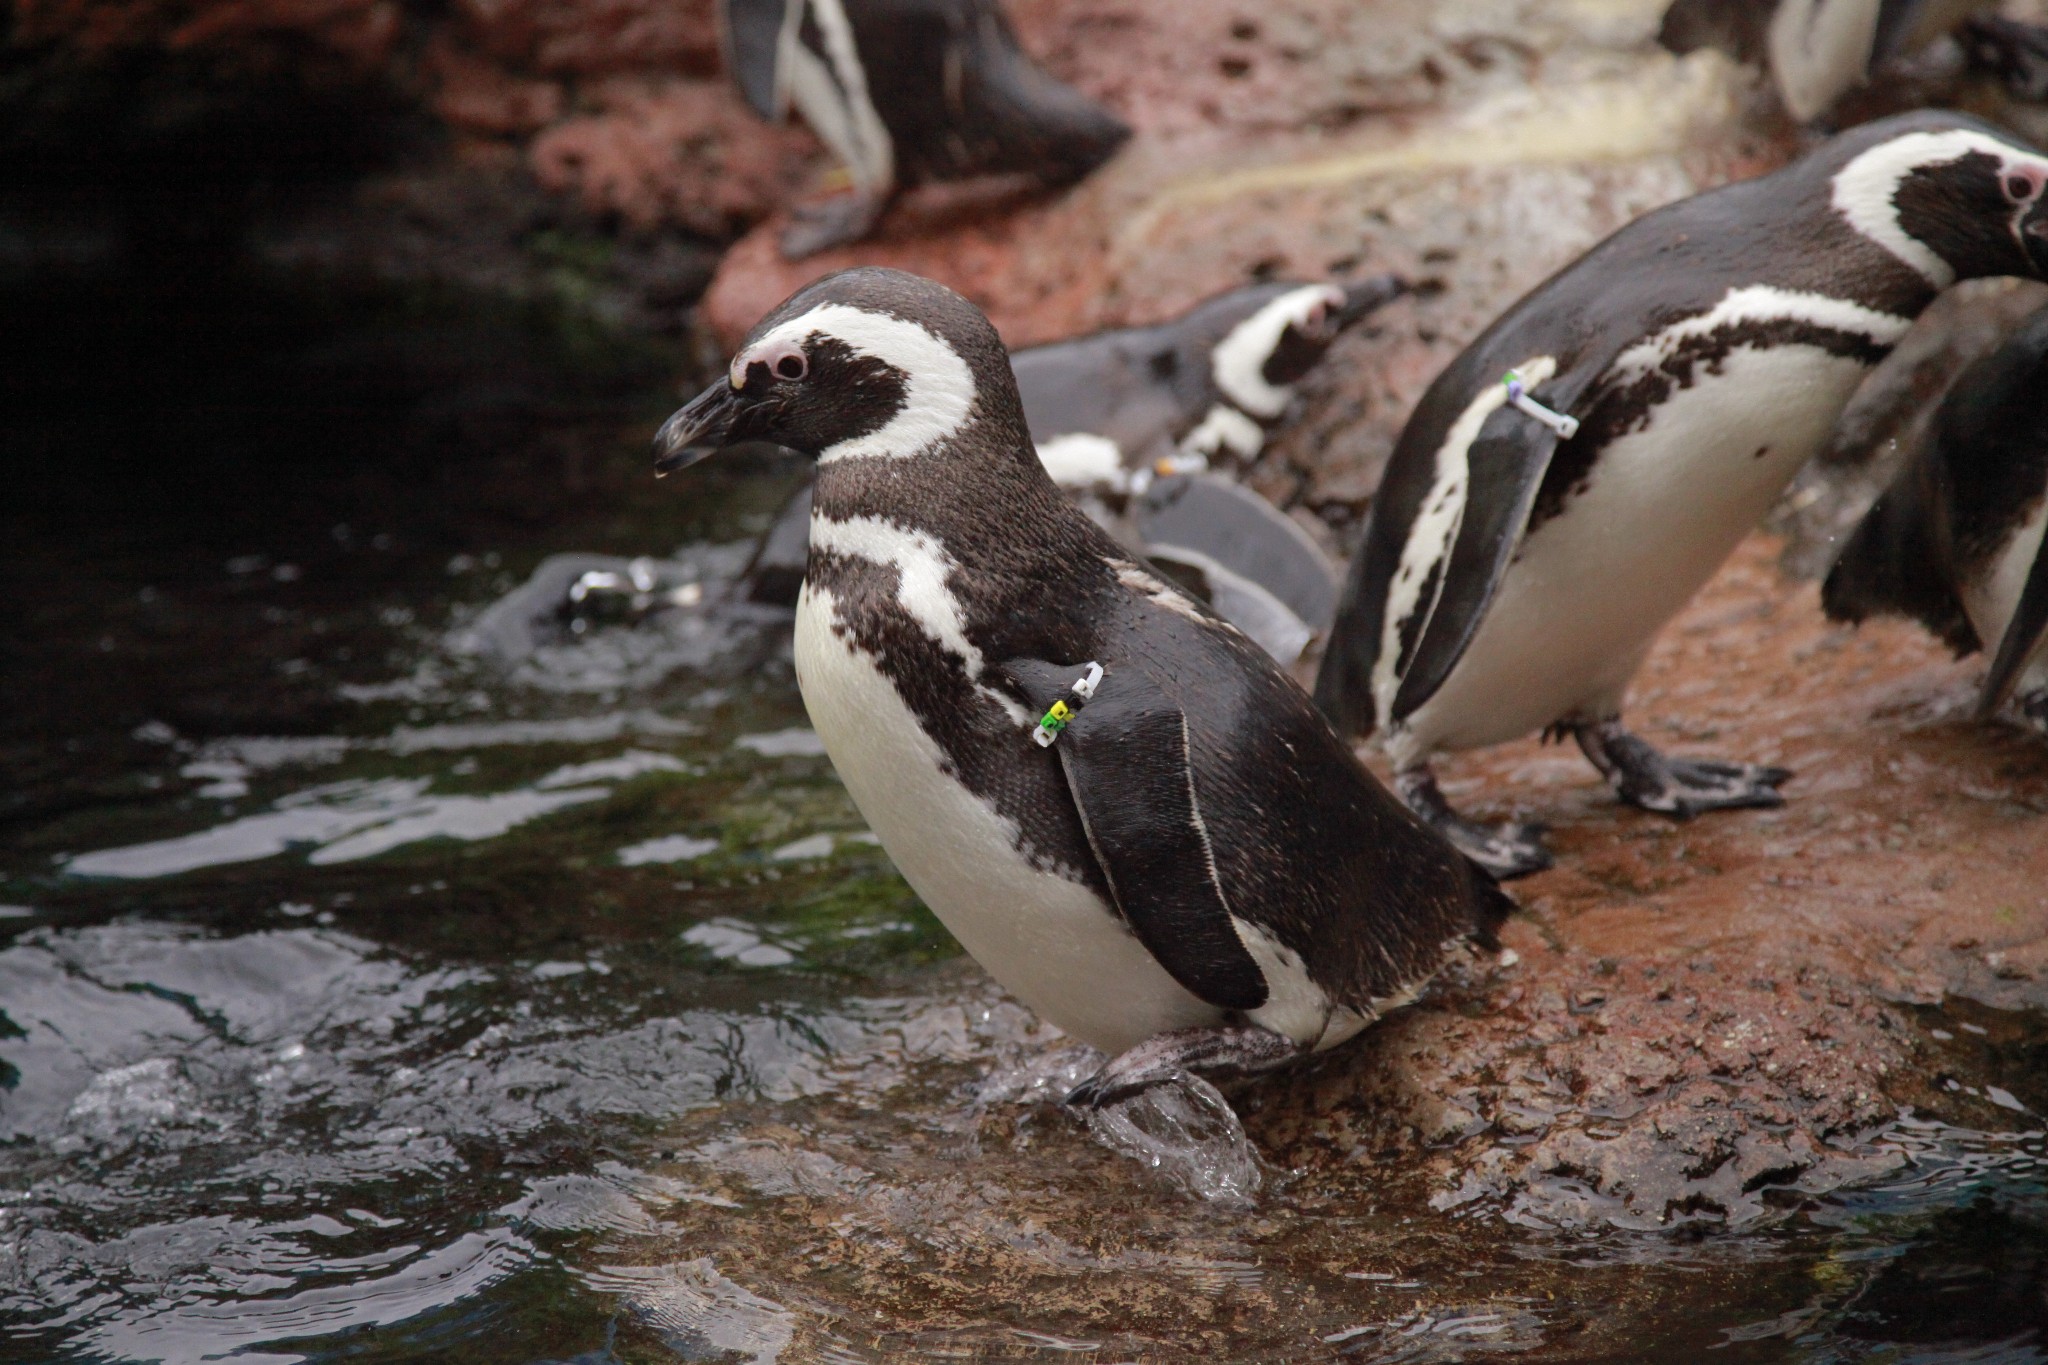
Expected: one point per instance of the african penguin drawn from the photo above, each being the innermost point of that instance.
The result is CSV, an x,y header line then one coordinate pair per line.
x,y
1956,542
1819,50
1138,425
1528,542
909,91
1195,873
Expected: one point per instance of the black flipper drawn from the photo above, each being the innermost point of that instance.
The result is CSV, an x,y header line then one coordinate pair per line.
x,y
2022,634
1240,530
1505,467
1899,563
1126,762
753,42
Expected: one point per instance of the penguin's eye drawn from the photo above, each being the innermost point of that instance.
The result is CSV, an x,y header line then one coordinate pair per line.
x,y
792,365
2021,186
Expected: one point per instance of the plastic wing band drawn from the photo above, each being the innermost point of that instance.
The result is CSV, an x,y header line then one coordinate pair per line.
x,y
1564,425
1063,711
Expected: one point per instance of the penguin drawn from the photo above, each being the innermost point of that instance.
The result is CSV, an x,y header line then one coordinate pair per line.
x,y
1956,542
1121,807
905,92
1573,477
1817,51
1140,424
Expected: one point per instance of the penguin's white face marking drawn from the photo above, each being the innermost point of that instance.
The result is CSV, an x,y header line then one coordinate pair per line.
x,y
1081,459
1224,428
922,566
1866,190
1819,50
1434,532
1763,303
938,388
1238,364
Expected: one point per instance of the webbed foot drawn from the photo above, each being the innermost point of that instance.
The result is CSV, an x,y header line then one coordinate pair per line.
x,y
1507,851
1678,787
831,222
1212,1053
2033,708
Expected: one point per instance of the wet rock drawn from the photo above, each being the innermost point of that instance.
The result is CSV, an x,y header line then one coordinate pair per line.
x,y
1707,1020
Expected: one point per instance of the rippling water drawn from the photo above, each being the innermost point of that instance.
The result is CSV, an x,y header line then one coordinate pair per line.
x,y
391,972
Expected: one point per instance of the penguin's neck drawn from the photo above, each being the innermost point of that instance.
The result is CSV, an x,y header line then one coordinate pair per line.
x,y
995,511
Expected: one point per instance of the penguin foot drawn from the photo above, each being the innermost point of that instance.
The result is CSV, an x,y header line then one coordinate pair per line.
x,y
1678,787
1506,851
2033,708
1212,1053
831,222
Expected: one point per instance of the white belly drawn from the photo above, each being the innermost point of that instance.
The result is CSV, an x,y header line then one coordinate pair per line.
x,y
1052,943
1589,589
1991,601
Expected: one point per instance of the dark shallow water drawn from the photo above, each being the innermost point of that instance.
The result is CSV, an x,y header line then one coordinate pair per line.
x,y
367,994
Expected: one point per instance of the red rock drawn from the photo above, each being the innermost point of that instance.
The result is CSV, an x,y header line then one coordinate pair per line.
x,y
478,96
674,152
567,38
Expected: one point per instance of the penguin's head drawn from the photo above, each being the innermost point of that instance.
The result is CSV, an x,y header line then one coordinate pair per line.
x,y
1951,196
1264,340
863,362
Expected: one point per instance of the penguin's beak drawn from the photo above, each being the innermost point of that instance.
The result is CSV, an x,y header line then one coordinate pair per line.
x,y
2034,236
1365,298
699,428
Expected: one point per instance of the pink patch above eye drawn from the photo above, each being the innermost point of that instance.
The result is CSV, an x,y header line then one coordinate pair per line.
x,y
783,360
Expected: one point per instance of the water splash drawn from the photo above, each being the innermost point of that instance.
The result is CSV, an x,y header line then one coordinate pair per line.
x,y
1186,1132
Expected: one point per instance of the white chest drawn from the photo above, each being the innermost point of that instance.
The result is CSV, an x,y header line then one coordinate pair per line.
x,y
1052,942
1665,505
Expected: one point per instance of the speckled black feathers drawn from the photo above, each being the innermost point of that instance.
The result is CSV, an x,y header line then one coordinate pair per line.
x,y
1305,843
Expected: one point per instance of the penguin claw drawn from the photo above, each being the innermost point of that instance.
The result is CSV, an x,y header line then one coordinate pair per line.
x,y
1678,787
832,222
1506,851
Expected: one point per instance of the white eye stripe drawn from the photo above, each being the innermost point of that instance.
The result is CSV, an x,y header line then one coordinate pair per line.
x,y
1238,364
1865,191
938,388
